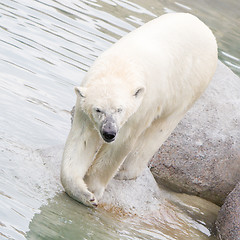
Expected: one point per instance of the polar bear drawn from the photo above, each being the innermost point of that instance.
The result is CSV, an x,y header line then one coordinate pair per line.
x,y
132,98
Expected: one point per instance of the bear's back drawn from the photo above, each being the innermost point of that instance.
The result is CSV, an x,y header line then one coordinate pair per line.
x,y
176,53
174,56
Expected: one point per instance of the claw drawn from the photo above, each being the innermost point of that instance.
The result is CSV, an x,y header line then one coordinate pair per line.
x,y
95,204
93,201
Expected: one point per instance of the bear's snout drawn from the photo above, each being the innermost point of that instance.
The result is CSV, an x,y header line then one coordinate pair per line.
x,y
109,136
109,130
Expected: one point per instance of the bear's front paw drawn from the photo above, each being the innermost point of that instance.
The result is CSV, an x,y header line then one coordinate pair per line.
x,y
95,186
88,199
79,191
83,196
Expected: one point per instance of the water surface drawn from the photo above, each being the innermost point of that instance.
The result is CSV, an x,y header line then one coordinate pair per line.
x,y
46,47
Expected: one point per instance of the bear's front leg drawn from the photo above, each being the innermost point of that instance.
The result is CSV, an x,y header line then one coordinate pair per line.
x,y
79,151
72,173
146,146
107,162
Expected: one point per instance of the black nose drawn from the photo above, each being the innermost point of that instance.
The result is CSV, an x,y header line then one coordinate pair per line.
x,y
109,136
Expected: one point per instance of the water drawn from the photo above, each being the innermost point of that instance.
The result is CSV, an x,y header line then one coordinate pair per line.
x,y
45,49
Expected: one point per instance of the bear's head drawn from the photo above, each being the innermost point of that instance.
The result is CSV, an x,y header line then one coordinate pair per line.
x,y
109,106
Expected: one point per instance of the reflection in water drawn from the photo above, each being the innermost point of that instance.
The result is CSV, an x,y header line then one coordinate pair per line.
x,y
175,218
45,49
158,214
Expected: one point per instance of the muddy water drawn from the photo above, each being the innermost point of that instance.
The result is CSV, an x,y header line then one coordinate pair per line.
x,y
45,49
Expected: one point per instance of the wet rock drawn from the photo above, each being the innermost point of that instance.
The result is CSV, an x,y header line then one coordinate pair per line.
x,y
72,114
228,221
202,155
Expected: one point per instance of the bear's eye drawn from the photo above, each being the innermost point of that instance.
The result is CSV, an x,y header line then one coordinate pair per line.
x,y
138,92
98,110
119,110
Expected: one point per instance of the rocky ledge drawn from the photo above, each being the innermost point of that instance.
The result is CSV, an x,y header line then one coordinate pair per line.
x,y
202,155
228,220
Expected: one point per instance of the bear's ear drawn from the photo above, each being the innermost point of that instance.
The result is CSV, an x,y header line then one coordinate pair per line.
x,y
80,91
139,91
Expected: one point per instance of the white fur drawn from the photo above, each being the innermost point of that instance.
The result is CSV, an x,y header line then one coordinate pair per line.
x,y
145,83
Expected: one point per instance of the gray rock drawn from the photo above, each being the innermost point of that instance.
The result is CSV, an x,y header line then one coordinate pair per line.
x,y
228,221
202,155
72,114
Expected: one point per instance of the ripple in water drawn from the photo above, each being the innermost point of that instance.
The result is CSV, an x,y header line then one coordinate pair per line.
x,y
46,47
